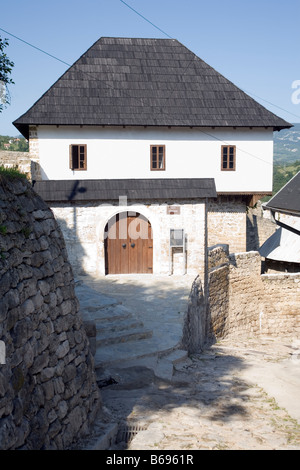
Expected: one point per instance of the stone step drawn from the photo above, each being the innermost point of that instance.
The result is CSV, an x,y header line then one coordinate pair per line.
x,y
106,314
120,354
108,338
165,364
120,324
147,352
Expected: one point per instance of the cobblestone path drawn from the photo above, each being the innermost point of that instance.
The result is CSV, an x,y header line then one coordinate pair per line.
x,y
217,400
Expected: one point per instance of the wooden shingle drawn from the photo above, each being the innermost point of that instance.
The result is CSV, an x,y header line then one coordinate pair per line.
x,y
134,189
145,82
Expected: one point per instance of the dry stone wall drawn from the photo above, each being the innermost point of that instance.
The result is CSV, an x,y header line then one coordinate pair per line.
x,y
48,392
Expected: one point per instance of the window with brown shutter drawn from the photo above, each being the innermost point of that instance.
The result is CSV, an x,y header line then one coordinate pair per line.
x,y
228,158
158,157
78,157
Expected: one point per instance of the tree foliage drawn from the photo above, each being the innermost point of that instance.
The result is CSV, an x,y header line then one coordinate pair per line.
x,y
6,66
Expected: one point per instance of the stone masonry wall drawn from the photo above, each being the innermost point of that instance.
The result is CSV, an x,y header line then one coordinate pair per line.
x,y
48,392
242,301
227,222
281,303
34,153
21,160
245,293
259,227
195,325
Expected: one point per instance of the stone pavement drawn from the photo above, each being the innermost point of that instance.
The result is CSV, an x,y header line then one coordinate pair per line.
x,y
239,394
227,398
139,319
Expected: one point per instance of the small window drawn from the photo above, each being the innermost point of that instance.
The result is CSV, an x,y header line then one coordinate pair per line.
x,y
158,157
228,157
78,157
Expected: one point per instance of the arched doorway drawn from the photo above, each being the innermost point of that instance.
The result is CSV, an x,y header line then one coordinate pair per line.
x,y
128,244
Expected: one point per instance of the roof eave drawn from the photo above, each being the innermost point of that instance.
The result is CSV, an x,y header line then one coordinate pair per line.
x,y
280,210
24,128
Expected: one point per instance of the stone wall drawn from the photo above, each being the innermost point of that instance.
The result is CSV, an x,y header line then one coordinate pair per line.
x,y
195,325
48,392
227,222
242,301
21,160
259,226
34,152
281,303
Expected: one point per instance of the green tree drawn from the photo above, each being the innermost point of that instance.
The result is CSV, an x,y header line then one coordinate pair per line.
x,y
6,66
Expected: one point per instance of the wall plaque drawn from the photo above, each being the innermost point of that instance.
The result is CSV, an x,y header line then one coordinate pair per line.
x,y
173,210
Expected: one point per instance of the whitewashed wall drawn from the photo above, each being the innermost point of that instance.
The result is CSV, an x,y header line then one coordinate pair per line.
x,y
190,153
83,228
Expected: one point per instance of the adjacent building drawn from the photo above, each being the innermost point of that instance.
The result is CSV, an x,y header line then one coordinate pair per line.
x,y
282,250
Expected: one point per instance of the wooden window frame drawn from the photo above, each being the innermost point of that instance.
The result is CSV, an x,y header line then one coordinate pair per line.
x,y
71,157
151,157
228,153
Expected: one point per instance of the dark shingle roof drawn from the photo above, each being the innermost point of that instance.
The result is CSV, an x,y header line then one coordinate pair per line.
x,y
287,200
145,82
134,189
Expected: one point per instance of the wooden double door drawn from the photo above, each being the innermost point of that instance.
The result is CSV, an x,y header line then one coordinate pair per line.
x,y
128,244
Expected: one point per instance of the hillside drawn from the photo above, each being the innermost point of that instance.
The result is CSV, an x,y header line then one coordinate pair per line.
x,y
16,144
287,145
283,173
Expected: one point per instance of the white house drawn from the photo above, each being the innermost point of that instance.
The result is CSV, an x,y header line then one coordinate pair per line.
x,y
139,138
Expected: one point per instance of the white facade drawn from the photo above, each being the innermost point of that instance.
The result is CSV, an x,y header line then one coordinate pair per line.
x,y
121,153
83,228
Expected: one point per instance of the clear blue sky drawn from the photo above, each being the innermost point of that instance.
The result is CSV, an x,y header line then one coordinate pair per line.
x,y
255,44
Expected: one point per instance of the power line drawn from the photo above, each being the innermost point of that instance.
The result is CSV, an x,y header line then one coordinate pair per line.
x,y
146,19
111,87
272,104
139,14
240,149
170,37
35,47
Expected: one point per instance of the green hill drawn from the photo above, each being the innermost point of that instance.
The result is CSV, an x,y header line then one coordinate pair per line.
x,y
283,173
17,144
287,145
286,156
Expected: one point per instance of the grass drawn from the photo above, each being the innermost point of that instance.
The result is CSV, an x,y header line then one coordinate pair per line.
x,y
11,173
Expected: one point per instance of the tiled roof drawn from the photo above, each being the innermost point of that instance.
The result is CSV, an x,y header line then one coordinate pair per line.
x,y
145,82
134,189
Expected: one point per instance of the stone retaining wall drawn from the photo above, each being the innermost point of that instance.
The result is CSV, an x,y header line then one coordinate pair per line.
x,y
21,160
48,392
242,301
